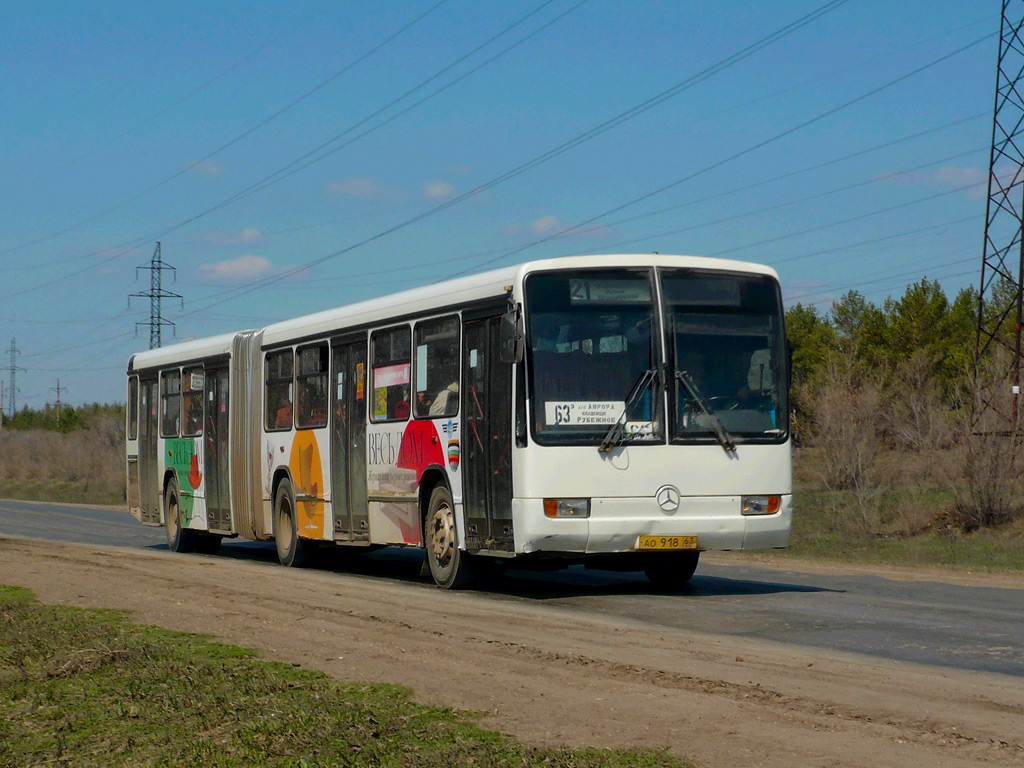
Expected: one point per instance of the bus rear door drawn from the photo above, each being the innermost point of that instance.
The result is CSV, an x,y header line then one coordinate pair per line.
x,y
348,442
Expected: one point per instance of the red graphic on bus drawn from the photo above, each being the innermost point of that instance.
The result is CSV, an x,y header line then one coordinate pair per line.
x,y
421,447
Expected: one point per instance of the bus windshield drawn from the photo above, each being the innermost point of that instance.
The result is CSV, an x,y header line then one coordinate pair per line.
x,y
592,344
726,346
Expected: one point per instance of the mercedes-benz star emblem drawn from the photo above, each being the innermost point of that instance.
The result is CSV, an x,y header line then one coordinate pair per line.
x,y
668,498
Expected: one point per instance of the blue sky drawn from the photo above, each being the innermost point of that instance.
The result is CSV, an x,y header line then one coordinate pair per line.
x,y
128,123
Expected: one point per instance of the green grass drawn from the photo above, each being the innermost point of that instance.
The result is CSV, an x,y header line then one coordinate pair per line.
x,y
87,688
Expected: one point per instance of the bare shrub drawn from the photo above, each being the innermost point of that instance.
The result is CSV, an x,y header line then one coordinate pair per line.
x,y
845,416
90,459
917,416
989,454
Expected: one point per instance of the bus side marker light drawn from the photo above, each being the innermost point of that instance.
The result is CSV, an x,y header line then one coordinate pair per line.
x,y
760,505
567,507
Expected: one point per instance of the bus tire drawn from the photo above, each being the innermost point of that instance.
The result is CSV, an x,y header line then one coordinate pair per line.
x,y
449,566
179,538
292,550
671,572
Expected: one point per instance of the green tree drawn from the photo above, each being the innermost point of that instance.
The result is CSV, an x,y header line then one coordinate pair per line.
x,y
860,326
917,321
813,339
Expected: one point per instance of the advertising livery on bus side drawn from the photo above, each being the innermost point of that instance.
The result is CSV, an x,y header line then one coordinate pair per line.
x,y
626,412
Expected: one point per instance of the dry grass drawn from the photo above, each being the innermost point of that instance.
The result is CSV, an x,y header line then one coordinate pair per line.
x,y
85,465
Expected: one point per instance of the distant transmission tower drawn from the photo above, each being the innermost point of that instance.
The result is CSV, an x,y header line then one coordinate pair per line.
x,y
12,390
58,389
1001,291
156,293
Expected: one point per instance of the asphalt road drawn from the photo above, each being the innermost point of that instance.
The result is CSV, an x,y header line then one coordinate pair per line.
x,y
967,627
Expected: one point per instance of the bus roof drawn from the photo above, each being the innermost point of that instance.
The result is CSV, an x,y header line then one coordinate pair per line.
x,y
477,287
193,349
460,291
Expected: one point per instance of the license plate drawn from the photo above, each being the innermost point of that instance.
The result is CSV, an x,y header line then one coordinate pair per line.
x,y
667,542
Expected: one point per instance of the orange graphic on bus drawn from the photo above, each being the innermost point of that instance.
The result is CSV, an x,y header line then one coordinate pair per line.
x,y
308,476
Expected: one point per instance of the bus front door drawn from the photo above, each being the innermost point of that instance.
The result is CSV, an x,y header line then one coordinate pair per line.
x,y
215,436
486,438
348,442
149,488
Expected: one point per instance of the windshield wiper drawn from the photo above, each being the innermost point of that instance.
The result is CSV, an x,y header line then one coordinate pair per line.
x,y
617,431
719,429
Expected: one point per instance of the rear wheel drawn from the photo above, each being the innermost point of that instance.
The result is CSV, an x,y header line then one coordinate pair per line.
x,y
449,566
179,538
671,572
292,550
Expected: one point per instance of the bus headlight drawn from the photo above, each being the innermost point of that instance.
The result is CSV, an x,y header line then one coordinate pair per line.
x,y
760,505
567,507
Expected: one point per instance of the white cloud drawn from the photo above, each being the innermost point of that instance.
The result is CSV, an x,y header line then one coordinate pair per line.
x,y
243,268
356,186
208,169
545,225
437,189
959,176
947,177
553,227
247,235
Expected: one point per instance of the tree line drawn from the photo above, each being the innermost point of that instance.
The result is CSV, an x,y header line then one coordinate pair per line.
x,y
68,419
876,383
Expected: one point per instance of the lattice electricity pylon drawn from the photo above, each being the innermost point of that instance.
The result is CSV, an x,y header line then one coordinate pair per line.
x,y
156,293
12,390
1001,291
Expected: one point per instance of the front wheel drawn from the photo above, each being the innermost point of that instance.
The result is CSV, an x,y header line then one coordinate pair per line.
x,y
179,538
449,566
292,551
671,572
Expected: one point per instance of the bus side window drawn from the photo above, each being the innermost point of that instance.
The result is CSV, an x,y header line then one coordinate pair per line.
x,y
437,367
389,381
170,396
277,400
133,407
311,386
192,401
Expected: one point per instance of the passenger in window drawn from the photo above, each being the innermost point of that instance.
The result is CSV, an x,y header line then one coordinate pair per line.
x,y
423,402
283,419
402,406
445,402
193,416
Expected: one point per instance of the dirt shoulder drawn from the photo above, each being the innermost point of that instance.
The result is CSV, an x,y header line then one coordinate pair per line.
x,y
552,676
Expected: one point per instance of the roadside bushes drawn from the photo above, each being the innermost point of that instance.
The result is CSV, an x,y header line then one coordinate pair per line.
x,y
988,453
884,402
84,465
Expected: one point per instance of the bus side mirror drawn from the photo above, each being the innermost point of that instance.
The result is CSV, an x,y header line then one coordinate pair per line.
x,y
510,339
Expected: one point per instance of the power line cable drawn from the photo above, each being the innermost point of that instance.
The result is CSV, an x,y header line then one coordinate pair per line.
x,y
736,155
131,245
808,198
434,263
297,165
262,123
576,141
178,102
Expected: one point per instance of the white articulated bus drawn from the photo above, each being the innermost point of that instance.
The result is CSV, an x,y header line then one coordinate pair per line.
x,y
623,411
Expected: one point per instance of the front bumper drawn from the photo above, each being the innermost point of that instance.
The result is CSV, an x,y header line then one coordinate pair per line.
x,y
615,523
